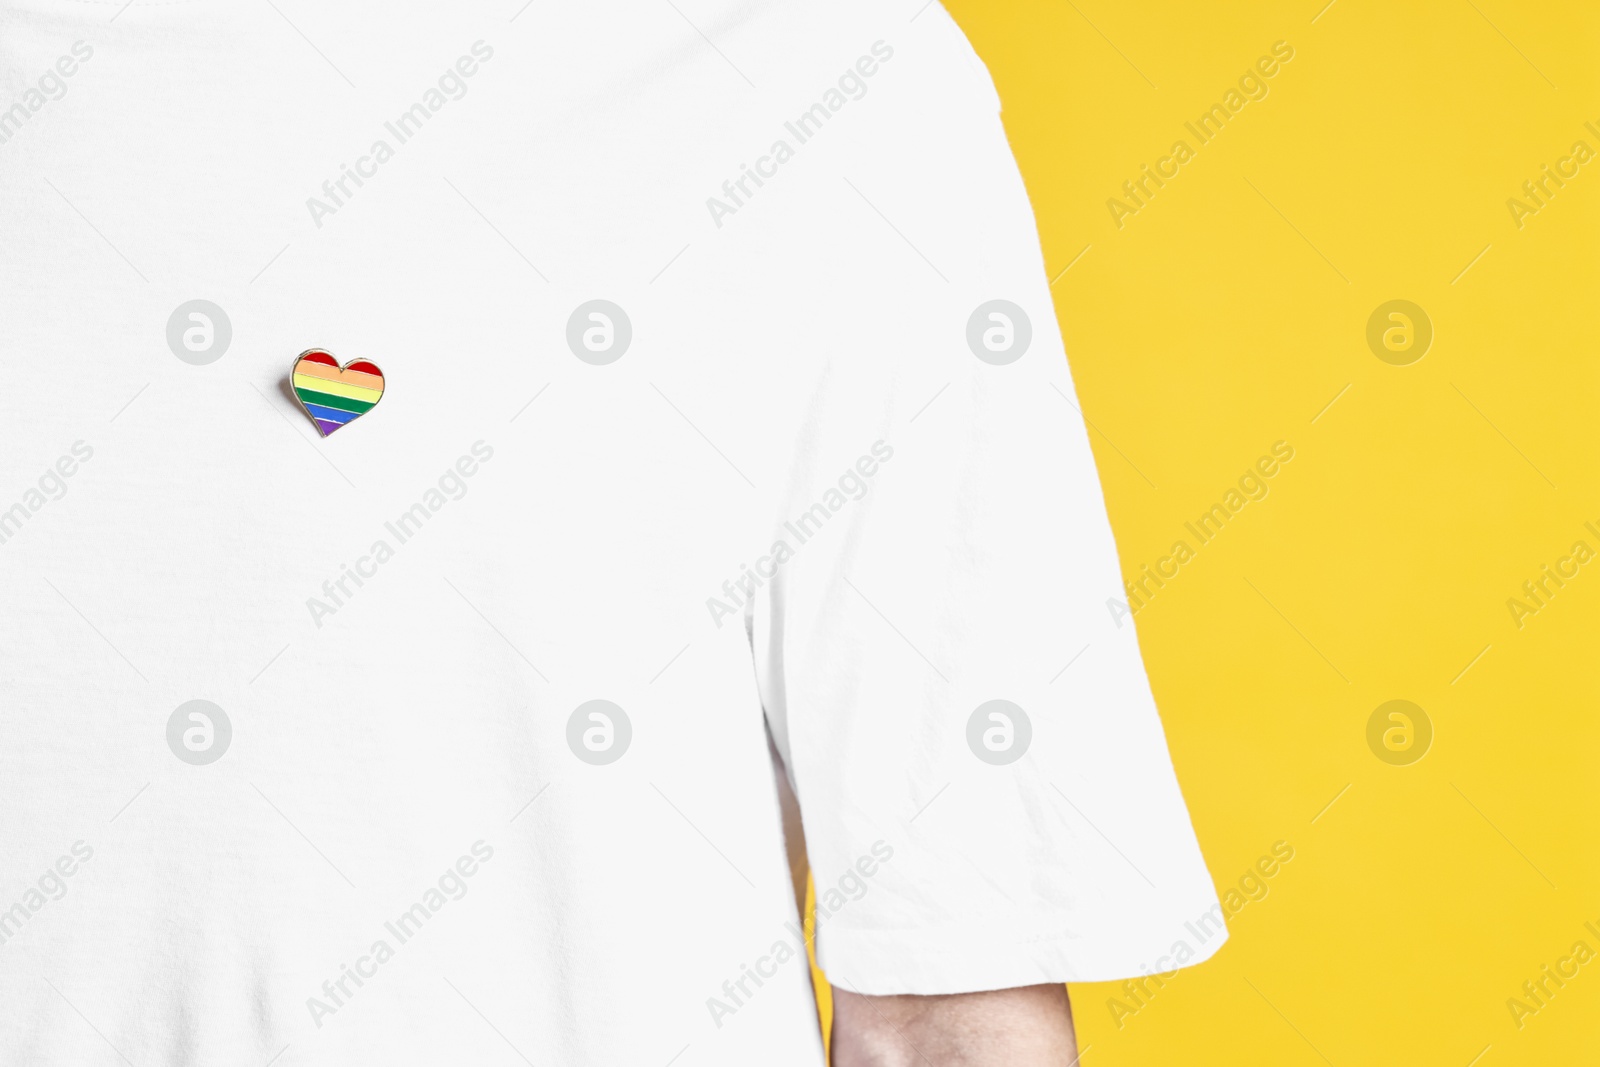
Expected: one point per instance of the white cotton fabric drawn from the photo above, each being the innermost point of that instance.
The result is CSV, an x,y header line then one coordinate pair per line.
x,y
399,858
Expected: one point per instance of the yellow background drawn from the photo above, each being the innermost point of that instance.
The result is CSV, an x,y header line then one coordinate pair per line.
x,y
1225,316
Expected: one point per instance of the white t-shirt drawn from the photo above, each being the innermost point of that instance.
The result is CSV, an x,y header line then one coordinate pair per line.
x,y
718,393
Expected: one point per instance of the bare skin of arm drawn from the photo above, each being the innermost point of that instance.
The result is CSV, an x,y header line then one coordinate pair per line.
x,y
1026,1027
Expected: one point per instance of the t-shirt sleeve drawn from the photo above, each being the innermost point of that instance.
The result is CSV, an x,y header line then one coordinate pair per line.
x,y
959,696
947,663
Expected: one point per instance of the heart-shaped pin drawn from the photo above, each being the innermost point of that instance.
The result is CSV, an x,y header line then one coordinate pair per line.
x,y
332,395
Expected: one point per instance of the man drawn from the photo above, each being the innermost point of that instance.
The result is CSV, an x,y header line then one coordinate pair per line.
x,y
455,445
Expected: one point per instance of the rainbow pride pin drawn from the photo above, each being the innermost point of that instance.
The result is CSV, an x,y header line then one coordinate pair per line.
x,y
332,395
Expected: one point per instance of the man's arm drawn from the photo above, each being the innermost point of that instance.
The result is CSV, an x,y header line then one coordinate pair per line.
x,y
1026,1027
